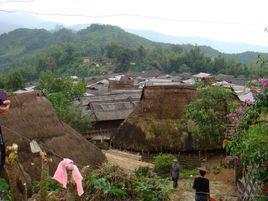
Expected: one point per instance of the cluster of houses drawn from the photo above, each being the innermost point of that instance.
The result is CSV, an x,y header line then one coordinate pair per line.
x,y
115,100
112,98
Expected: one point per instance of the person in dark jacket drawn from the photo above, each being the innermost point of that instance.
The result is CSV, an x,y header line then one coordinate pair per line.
x,y
175,173
201,186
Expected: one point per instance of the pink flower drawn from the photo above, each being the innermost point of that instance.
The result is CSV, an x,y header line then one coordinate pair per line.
x,y
236,160
227,160
240,111
234,120
248,101
264,82
232,115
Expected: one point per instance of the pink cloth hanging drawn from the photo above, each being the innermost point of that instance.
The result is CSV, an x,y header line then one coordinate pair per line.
x,y
62,177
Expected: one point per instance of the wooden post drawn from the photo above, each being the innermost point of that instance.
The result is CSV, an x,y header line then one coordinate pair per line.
x,y
44,175
70,194
12,171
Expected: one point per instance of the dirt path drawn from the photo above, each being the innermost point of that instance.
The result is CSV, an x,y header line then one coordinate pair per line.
x,y
127,161
222,187
221,184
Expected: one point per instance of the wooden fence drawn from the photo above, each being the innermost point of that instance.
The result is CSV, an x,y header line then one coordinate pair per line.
x,y
249,191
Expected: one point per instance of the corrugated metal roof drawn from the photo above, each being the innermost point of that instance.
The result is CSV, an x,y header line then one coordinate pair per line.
x,y
112,111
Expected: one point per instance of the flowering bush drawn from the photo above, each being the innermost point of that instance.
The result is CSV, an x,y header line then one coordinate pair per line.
x,y
208,113
251,134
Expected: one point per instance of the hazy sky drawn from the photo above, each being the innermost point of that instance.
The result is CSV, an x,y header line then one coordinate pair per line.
x,y
223,20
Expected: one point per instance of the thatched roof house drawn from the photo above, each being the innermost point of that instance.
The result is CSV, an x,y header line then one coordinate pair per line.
x,y
31,116
112,107
158,122
155,124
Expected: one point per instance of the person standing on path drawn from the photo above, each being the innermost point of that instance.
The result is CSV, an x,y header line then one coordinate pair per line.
x,y
201,186
175,173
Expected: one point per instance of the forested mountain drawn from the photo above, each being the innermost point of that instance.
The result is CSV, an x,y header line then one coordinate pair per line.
x,y
21,43
26,53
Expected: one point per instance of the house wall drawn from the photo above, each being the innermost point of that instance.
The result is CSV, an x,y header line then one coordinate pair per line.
x,y
114,124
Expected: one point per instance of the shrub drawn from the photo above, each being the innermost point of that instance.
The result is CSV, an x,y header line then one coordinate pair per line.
x,y
147,186
4,189
163,163
52,185
111,183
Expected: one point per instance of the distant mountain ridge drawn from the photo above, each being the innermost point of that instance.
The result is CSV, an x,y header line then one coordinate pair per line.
x,y
12,21
108,34
224,47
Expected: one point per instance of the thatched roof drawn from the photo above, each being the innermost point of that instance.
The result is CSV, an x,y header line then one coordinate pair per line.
x,y
158,122
155,124
32,116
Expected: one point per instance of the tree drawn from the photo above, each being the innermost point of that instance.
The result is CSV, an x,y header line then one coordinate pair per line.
x,y
76,118
61,91
15,80
123,59
208,113
197,61
71,89
184,69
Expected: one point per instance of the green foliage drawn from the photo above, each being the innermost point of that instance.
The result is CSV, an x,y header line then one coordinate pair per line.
x,y
163,163
76,118
209,113
61,92
66,85
59,100
185,174
261,100
251,132
4,189
105,186
52,185
15,80
250,147
147,186
110,183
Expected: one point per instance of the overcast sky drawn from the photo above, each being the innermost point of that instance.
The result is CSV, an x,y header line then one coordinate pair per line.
x,y
223,20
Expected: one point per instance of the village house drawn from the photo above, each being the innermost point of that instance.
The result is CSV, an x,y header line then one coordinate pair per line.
x,y
108,111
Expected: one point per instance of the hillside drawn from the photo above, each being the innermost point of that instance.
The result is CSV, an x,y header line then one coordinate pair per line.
x,y
26,53
23,42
